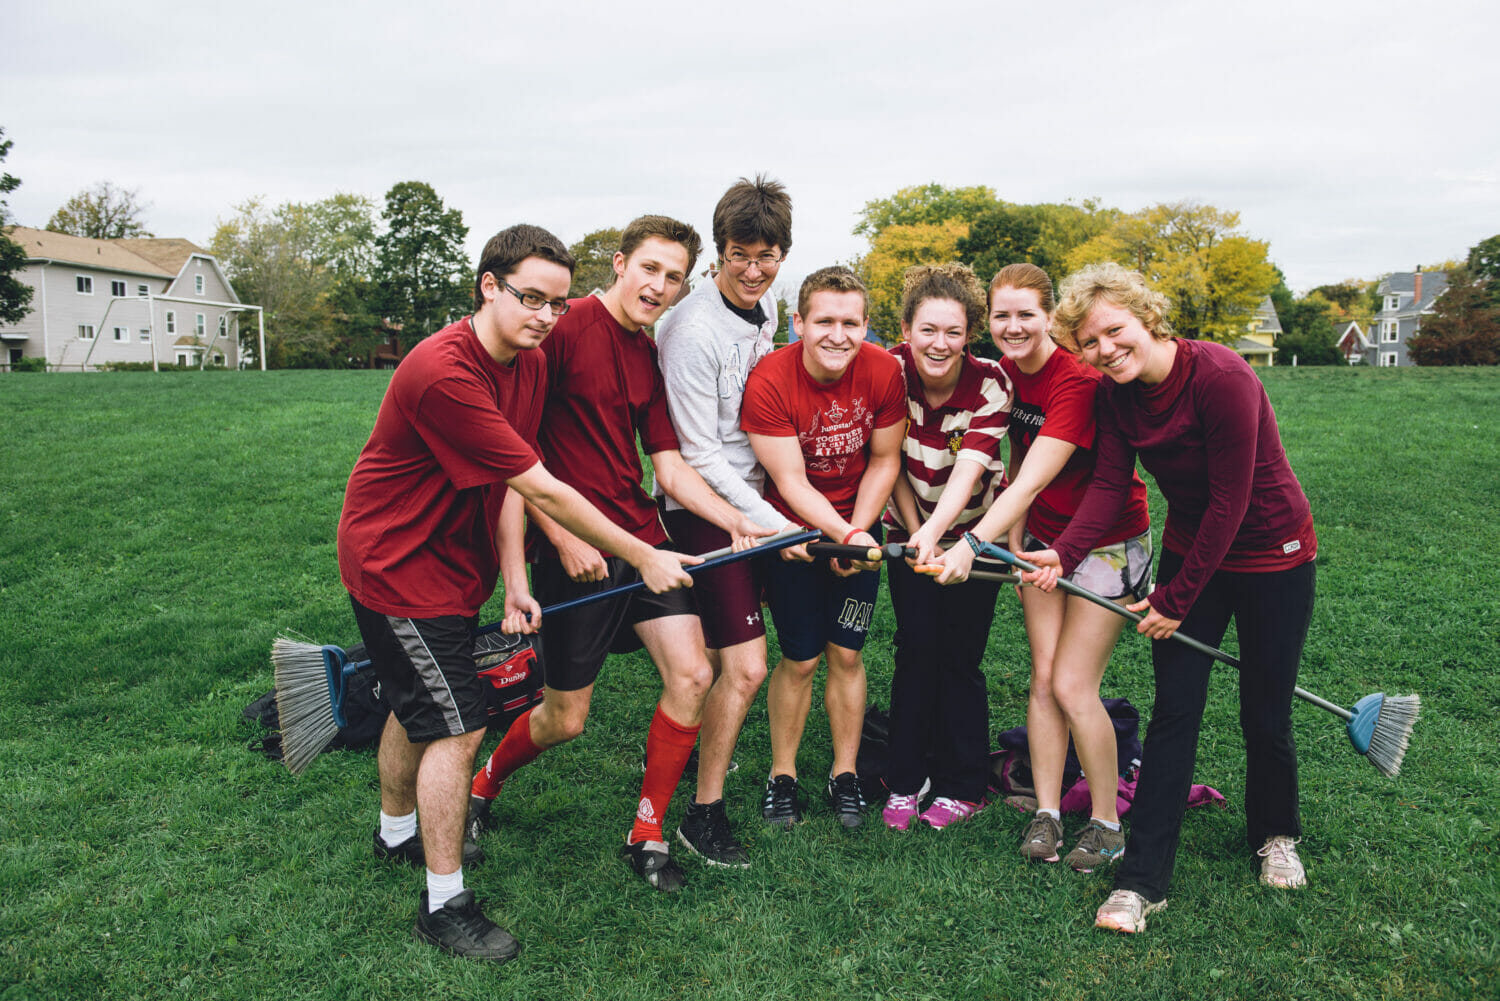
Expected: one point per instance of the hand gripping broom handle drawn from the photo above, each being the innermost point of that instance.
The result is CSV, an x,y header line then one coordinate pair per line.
x,y
1006,556
340,668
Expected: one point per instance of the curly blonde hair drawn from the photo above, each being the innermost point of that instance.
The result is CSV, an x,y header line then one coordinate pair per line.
x,y
1116,284
944,281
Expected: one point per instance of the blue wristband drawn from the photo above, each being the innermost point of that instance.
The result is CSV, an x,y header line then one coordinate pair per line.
x,y
974,543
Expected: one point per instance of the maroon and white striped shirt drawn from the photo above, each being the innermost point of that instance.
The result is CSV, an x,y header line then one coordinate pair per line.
x,y
971,425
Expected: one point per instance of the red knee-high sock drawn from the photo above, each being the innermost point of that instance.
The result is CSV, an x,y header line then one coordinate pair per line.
x,y
516,749
668,745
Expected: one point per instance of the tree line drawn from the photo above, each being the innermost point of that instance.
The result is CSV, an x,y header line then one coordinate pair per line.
x,y
337,279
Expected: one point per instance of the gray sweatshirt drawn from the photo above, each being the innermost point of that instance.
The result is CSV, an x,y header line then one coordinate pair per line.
x,y
706,352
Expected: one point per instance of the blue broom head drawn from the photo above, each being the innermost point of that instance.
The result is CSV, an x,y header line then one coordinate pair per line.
x,y
336,664
1362,723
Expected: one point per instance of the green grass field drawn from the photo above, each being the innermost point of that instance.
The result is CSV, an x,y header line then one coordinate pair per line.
x,y
161,530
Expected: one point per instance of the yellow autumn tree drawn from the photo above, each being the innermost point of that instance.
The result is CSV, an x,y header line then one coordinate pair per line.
x,y
1214,276
896,248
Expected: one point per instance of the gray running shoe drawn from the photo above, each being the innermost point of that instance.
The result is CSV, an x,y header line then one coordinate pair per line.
x,y
460,927
1042,839
1098,846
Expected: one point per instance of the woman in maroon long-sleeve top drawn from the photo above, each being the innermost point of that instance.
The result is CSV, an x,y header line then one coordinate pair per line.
x,y
1238,543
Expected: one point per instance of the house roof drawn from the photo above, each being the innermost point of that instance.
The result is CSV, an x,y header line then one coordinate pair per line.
x,y
1246,346
1267,322
1434,284
168,254
112,255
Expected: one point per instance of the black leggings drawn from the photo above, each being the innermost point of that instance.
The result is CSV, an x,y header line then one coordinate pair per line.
x,y
940,714
1271,613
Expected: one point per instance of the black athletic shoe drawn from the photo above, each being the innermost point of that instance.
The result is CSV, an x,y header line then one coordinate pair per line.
x,y
460,927
410,851
650,861
847,799
478,821
781,806
706,833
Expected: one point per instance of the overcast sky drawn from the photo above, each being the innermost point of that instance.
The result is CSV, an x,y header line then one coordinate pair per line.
x,y
1357,139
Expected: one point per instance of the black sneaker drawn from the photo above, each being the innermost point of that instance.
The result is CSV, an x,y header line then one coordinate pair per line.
x,y
478,820
781,806
650,861
460,928
410,851
847,799
706,833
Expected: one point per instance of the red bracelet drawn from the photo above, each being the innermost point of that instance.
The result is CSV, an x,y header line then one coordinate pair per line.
x,y
852,534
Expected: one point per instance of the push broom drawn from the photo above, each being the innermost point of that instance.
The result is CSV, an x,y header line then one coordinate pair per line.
x,y
1379,725
311,680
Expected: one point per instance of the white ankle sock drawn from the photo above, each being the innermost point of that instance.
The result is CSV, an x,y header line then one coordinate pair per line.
x,y
441,889
1049,813
1113,825
394,830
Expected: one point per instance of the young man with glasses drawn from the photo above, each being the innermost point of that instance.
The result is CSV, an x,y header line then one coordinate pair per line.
x,y
603,391
708,345
419,554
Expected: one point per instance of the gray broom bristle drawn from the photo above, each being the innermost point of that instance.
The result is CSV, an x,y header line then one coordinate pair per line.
x,y
302,702
1392,733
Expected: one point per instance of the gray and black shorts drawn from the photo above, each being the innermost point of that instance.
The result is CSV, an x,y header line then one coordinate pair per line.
x,y
1119,571
426,670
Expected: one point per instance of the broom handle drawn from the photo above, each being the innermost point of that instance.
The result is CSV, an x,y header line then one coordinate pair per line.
x,y
1006,556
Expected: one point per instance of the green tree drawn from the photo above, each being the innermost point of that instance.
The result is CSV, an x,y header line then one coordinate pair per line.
x,y
15,296
927,204
1214,277
1042,234
1464,328
1308,332
595,255
422,272
1483,266
103,212
309,267
894,249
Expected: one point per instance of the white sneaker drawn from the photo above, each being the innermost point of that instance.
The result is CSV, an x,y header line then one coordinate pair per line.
x,y
1126,911
1280,867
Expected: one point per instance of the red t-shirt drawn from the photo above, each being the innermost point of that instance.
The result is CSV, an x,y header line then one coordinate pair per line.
x,y
1058,402
417,534
604,388
833,423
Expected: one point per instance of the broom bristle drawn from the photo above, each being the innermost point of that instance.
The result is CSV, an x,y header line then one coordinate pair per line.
x,y
302,702
1392,733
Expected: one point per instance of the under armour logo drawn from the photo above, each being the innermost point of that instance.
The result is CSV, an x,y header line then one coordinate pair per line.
x,y
751,620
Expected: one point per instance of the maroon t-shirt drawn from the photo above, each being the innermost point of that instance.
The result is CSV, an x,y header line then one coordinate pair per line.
x,y
417,533
832,423
604,388
1057,401
1208,434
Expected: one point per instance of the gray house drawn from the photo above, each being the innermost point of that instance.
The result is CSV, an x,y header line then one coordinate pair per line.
x,y
1405,297
145,300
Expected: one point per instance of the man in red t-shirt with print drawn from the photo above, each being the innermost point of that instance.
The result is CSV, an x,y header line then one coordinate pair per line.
x,y
418,553
604,391
826,418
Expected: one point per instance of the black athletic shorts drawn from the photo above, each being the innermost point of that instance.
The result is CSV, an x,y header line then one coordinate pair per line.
x,y
427,673
575,642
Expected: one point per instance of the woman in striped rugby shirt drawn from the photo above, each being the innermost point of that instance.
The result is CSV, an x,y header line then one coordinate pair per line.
x,y
957,408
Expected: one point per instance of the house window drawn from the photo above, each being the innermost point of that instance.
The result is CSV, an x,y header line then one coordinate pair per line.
x,y
1389,330
145,335
182,359
143,291
171,322
85,284
85,331
198,284
1387,359
1393,302
218,359
117,289
122,335
200,325
223,326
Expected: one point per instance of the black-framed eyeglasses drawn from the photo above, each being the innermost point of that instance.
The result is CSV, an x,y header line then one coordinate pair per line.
x,y
532,300
766,262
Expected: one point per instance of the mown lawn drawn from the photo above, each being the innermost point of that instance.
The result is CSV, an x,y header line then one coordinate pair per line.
x,y
159,531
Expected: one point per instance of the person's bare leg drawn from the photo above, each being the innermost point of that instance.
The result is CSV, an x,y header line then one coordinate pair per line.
x,y
742,670
1046,726
1088,638
443,798
560,716
788,699
397,762
844,699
